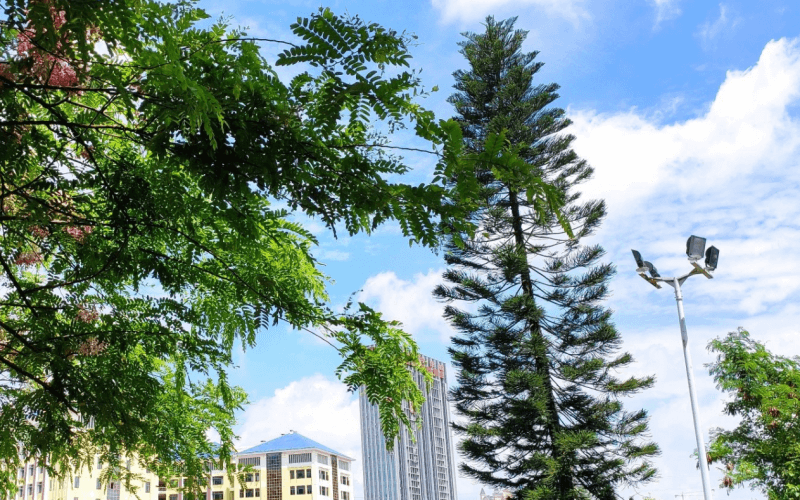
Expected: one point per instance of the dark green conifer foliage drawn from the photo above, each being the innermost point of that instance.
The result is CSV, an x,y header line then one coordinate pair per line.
x,y
537,352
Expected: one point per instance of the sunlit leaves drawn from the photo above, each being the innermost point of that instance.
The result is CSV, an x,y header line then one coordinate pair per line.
x,y
762,451
140,238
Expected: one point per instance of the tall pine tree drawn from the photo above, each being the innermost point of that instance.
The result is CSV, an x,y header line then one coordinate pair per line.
x,y
536,351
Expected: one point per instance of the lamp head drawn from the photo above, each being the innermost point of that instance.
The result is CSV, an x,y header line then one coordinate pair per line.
x,y
712,256
638,258
695,247
653,271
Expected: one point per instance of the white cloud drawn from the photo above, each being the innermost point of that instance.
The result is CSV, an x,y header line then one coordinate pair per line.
x,y
665,10
730,174
324,254
409,302
572,11
709,31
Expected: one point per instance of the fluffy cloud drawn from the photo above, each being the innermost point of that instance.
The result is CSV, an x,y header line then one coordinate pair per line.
x,y
572,11
665,10
316,407
709,31
409,302
730,174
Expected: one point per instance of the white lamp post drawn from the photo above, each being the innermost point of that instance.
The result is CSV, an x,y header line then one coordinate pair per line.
x,y
695,248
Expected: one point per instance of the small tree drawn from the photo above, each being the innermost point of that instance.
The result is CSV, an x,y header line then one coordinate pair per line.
x,y
763,451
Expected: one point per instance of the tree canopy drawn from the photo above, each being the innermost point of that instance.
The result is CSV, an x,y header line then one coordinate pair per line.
x,y
145,155
763,451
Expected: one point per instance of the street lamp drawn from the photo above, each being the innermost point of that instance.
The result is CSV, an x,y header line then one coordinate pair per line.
x,y
695,250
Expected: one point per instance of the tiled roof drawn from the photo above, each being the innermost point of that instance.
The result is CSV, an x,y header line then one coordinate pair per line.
x,y
289,442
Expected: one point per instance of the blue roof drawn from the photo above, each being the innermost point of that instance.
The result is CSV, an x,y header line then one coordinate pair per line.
x,y
288,442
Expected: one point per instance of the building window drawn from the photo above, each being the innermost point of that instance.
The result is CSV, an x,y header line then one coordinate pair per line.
x,y
99,463
241,493
299,458
248,493
346,480
323,459
258,476
147,487
30,489
258,492
291,474
173,497
216,480
250,461
301,490
39,469
248,478
345,495
308,489
308,473
39,487
323,474
301,474
218,495
323,490
21,491
344,465
30,470
77,483
291,490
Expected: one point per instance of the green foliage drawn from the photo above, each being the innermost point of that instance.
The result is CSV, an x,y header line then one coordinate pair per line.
x,y
141,157
536,350
763,451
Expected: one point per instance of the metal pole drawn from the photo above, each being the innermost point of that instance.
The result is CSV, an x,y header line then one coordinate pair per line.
x,y
687,357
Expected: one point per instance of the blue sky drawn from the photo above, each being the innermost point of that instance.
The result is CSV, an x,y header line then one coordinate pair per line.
x,y
688,110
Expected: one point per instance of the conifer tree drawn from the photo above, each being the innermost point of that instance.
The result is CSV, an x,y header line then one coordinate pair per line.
x,y
537,353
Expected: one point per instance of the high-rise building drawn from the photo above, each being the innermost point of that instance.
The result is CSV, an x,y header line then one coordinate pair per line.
x,y
418,469
289,467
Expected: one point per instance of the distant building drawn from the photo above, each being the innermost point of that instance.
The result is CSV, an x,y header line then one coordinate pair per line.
x,y
296,465
282,469
415,470
497,495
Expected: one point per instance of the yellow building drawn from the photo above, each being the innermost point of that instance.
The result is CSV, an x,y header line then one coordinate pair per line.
x,y
290,467
296,467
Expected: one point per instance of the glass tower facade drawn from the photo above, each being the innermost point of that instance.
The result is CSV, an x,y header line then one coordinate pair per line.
x,y
417,469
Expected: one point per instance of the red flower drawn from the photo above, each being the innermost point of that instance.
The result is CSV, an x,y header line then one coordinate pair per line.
x,y
87,315
39,232
28,258
92,347
79,233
